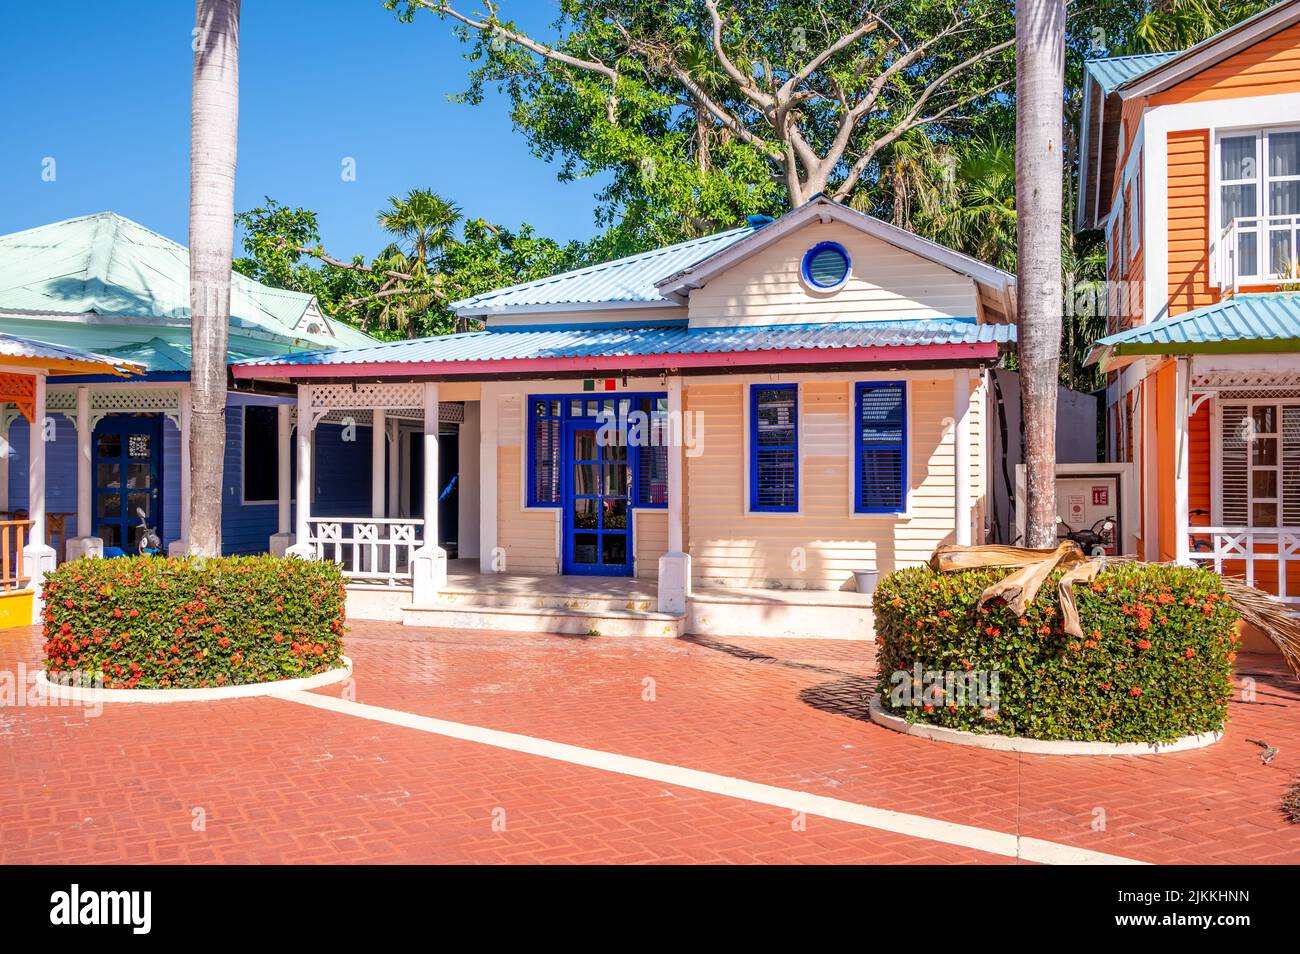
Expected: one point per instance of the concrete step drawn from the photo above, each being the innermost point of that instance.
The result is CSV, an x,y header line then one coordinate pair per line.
x,y
544,619
640,603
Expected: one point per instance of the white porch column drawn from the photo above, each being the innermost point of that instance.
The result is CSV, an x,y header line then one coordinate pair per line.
x,y
38,557
181,547
675,564
282,539
487,470
961,454
378,457
1182,393
429,567
393,435
84,544
301,545
467,523
5,451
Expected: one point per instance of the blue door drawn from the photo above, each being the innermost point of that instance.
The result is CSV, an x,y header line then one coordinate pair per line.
x,y
127,451
597,489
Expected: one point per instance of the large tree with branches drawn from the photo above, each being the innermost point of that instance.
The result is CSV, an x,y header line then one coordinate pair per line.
x,y
712,108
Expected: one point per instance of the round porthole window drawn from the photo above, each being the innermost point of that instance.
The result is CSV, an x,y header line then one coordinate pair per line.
x,y
826,266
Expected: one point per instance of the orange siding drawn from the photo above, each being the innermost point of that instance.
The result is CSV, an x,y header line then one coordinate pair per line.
x,y
1268,67
1198,467
1189,221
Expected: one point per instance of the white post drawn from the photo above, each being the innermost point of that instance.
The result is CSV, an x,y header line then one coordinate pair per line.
x,y
1182,393
301,545
675,565
282,539
961,454
467,523
84,544
394,437
182,546
378,457
487,472
5,452
429,567
38,557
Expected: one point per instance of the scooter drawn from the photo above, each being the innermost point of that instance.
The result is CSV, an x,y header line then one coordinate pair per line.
x,y
1095,540
147,541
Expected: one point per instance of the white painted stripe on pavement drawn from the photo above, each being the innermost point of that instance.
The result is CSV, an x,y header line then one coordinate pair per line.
x,y
902,823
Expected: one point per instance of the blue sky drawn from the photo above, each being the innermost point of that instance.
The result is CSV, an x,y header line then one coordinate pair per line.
x,y
104,89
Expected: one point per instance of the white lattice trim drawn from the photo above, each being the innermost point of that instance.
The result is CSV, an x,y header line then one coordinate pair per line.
x,y
325,397
167,401
1244,380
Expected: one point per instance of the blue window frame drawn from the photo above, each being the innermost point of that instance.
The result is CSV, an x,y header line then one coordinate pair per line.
x,y
774,448
826,265
649,455
880,447
544,416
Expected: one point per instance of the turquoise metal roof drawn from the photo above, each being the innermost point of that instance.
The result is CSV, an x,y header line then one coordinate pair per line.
x,y
505,345
1112,72
105,264
29,349
623,281
1243,323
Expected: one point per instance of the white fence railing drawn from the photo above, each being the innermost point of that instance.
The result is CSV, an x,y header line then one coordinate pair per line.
x,y
370,549
1263,555
1259,249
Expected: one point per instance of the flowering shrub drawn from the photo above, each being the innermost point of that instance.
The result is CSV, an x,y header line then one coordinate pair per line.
x,y
154,623
1155,662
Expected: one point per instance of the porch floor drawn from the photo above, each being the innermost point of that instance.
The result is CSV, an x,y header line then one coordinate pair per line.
x,y
463,576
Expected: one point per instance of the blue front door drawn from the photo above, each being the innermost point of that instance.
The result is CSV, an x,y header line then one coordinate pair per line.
x,y
127,450
597,491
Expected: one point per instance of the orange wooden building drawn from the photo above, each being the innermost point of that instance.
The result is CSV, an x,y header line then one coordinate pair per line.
x,y
1191,166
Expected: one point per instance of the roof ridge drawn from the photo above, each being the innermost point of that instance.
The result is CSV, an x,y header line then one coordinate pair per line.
x,y
1133,56
611,263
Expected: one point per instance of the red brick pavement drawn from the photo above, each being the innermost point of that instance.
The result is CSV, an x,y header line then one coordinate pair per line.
x,y
278,782
281,782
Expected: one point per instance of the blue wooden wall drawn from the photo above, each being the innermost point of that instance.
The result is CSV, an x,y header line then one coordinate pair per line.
x,y
342,478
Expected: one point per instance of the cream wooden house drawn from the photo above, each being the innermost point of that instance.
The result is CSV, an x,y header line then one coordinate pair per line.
x,y
713,437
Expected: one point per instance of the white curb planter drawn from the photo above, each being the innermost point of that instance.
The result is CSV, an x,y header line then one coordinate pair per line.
x,y
1011,743
91,694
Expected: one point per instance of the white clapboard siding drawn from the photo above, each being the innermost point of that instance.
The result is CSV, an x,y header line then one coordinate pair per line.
x,y
886,282
819,547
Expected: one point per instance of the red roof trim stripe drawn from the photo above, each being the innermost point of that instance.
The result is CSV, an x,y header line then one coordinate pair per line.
x,y
743,359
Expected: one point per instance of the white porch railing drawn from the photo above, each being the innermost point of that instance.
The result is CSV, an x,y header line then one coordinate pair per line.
x,y
1258,235
1266,552
370,549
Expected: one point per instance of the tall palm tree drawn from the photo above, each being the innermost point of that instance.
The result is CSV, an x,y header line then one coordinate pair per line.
x,y
214,123
1040,122
424,221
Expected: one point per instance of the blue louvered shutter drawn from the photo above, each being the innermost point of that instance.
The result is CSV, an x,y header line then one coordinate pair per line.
x,y
652,455
774,448
543,452
880,457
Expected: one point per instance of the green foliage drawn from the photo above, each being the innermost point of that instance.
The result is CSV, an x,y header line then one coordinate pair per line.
x,y
150,623
1155,663
405,290
682,130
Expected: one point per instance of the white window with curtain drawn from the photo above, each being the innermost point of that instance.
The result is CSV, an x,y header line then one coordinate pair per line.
x,y
1259,464
1258,205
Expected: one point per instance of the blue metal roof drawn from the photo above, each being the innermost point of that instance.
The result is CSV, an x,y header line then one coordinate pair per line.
x,y
628,280
505,345
1112,72
1245,323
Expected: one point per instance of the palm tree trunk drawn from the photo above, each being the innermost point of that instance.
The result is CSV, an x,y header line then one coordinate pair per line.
x,y
214,119
1040,58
